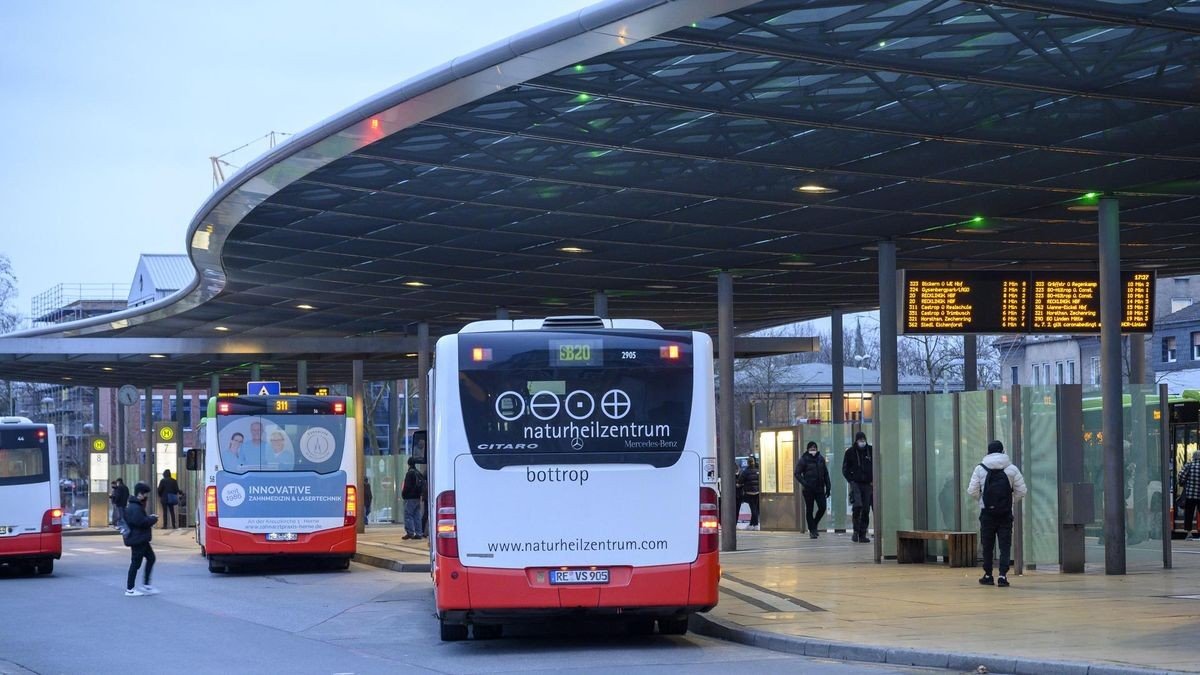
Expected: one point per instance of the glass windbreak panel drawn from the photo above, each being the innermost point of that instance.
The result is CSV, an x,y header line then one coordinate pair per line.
x,y
576,397
768,442
785,454
895,470
942,488
1039,433
385,474
281,442
24,456
1002,420
973,441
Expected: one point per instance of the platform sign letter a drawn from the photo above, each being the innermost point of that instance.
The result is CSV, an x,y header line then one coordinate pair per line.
x,y
268,388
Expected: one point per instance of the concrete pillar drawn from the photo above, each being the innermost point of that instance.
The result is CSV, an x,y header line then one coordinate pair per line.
x,y
600,304
148,468
214,385
970,363
726,437
179,405
301,376
1137,359
255,372
1110,387
424,352
358,391
889,377
502,313
96,429
837,404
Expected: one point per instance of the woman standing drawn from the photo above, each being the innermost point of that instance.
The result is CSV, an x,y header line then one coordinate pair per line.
x,y
748,483
813,476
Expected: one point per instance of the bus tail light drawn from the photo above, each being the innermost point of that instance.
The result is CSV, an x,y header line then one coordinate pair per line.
x,y
351,505
710,521
210,505
447,525
52,521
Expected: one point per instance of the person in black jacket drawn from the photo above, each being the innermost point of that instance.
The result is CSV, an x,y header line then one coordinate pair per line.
x,y
168,497
141,528
411,491
748,482
858,472
120,500
813,476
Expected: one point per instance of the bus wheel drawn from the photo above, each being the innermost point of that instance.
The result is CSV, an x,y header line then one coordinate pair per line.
x,y
640,626
453,632
674,626
45,566
487,632
216,567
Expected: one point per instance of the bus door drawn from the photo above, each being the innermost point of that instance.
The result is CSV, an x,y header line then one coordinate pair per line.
x,y
1185,440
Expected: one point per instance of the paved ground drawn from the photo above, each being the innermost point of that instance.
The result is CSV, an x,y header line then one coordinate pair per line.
x,y
830,590
271,620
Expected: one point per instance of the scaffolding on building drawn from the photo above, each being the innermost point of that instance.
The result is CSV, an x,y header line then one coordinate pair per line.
x,y
72,302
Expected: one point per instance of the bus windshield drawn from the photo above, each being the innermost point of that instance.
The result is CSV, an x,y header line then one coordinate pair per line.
x,y
23,458
576,397
281,442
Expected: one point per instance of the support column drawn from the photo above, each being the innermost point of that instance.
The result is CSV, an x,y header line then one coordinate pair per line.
x,y
889,378
96,413
255,372
394,419
837,357
148,468
1137,358
301,376
179,405
358,391
600,304
423,362
970,363
502,313
1110,386
726,437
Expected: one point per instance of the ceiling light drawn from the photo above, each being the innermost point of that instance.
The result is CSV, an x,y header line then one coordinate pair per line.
x,y
811,189
975,230
416,284
220,328
797,263
573,249
305,307
871,247
1083,207
107,368
66,377
1150,266
661,287
158,356
412,355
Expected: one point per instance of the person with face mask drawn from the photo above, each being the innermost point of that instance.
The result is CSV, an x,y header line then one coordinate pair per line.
x,y
748,482
858,472
140,528
813,476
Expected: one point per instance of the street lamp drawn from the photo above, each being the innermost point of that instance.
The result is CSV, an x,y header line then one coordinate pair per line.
x,y
860,359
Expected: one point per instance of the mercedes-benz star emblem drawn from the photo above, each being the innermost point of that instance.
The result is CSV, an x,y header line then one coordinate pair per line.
x,y
577,443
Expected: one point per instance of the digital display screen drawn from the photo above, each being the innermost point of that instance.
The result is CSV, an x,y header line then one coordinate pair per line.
x,y
576,352
1019,302
281,405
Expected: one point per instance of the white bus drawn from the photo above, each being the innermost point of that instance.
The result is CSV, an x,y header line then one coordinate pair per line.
x,y
573,470
30,507
280,479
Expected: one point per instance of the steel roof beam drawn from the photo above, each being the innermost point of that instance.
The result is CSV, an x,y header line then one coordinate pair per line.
x,y
1108,12
131,347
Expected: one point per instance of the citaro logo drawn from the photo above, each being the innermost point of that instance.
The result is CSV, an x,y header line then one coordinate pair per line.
x,y
166,433
233,494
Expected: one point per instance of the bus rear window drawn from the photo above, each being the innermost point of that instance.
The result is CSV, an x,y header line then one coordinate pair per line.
x,y
23,458
576,398
281,442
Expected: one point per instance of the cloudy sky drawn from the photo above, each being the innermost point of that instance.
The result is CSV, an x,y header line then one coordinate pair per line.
x,y
110,110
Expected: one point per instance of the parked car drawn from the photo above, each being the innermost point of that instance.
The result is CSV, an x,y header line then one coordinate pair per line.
x,y
78,519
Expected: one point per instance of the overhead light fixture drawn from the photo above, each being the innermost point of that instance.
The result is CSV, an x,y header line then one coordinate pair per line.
x,y
976,230
574,249
416,284
798,263
158,356
107,368
812,189
67,377
1084,207
221,328
305,307
661,287
1150,266
411,355
871,247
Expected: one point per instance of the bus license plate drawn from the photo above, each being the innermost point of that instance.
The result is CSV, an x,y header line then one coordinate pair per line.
x,y
281,536
579,576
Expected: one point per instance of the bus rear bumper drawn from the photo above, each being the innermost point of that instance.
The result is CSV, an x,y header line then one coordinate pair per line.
x,y
34,546
233,545
474,594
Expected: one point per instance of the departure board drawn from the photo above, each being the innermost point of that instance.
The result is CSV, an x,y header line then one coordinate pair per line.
x,y
1019,302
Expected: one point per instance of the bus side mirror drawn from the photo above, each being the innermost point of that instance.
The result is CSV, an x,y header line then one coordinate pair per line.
x,y
420,443
193,459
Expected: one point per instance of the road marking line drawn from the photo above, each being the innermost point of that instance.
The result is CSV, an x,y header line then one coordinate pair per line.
x,y
763,597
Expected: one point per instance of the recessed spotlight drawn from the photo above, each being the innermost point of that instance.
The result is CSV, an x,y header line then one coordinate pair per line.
x,y
661,287
221,328
411,355
811,189
67,377
798,263
1150,266
416,284
1084,207
871,247
107,368
976,230
305,307
158,356
574,249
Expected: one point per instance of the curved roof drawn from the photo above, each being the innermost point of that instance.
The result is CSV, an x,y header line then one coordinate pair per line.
x,y
668,139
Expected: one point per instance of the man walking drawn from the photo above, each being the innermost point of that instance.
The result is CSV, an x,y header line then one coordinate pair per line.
x,y
139,527
815,486
858,472
1189,480
998,484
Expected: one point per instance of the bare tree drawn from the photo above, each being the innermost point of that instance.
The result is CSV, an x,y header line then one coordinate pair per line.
x,y
374,398
10,318
937,358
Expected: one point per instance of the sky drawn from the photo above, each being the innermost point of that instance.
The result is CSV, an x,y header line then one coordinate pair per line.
x,y
110,110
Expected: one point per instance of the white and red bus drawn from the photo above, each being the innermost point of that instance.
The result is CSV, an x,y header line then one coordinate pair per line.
x,y
279,478
573,470
30,507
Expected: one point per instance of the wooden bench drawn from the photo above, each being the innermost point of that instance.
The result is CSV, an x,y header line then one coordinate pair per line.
x,y
961,547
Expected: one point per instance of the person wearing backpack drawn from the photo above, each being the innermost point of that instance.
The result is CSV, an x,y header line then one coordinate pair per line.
x,y
138,530
410,492
813,476
998,484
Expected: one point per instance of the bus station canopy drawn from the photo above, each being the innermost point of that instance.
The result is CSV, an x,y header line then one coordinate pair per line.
x,y
638,148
